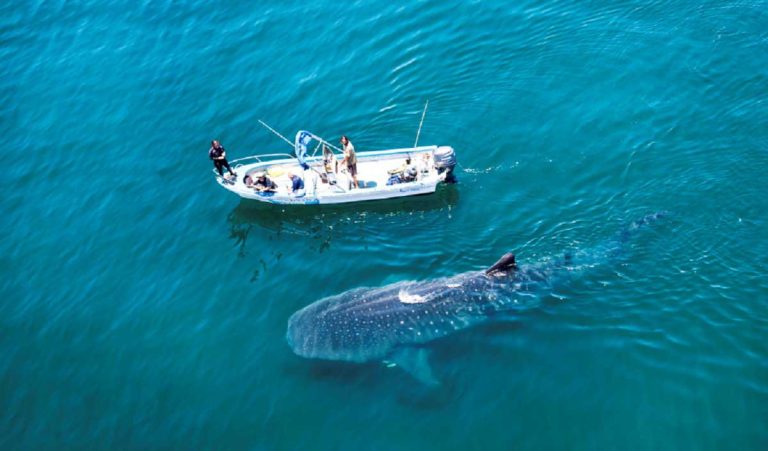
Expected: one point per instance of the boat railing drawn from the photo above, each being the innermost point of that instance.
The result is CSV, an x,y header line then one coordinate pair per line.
x,y
379,153
269,157
265,158
406,150
262,158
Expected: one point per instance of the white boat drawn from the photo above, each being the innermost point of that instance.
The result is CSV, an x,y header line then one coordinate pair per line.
x,y
381,174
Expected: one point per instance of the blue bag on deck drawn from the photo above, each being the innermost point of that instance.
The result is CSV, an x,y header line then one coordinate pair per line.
x,y
394,180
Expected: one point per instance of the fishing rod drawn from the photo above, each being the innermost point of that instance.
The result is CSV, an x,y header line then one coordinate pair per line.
x,y
290,143
424,113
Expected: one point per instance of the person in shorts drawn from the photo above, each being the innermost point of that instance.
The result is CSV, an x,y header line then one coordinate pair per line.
x,y
350,159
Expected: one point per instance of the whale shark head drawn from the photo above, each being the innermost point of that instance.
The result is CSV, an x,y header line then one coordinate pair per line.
x,y
357,326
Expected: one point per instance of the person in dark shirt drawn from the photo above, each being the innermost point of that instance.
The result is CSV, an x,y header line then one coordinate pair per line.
x,y
264,184
297,184
219,157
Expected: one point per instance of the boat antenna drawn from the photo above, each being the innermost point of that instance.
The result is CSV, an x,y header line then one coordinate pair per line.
x,y
424,113
275,132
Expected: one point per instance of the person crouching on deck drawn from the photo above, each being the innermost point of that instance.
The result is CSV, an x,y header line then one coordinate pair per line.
x,y
297,185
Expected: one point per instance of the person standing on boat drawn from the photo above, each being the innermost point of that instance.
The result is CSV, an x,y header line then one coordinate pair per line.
x,y
219,157
350,159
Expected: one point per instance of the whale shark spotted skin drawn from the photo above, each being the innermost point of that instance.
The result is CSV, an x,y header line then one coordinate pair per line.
x,y
392,323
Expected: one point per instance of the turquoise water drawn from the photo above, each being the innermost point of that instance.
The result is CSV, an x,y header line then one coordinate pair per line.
x,y
142,306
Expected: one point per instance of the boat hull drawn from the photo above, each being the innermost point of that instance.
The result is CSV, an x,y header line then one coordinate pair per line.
x,y
410,189
373,170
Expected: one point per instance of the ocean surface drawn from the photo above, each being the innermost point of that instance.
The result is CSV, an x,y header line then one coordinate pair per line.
x,y
142,306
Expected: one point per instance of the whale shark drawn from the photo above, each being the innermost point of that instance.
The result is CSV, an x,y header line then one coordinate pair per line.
x,y
394,323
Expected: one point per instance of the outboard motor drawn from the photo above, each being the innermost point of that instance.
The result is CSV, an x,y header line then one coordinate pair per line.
x,y
445,161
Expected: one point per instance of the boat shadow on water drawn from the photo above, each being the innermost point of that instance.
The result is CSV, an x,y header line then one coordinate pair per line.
x,y
320,223
317,226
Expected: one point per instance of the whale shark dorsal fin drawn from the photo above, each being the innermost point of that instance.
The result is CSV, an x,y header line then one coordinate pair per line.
x,y
505,263
415,361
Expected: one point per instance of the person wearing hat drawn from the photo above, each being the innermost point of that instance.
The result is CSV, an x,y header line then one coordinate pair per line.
x,y
263,184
